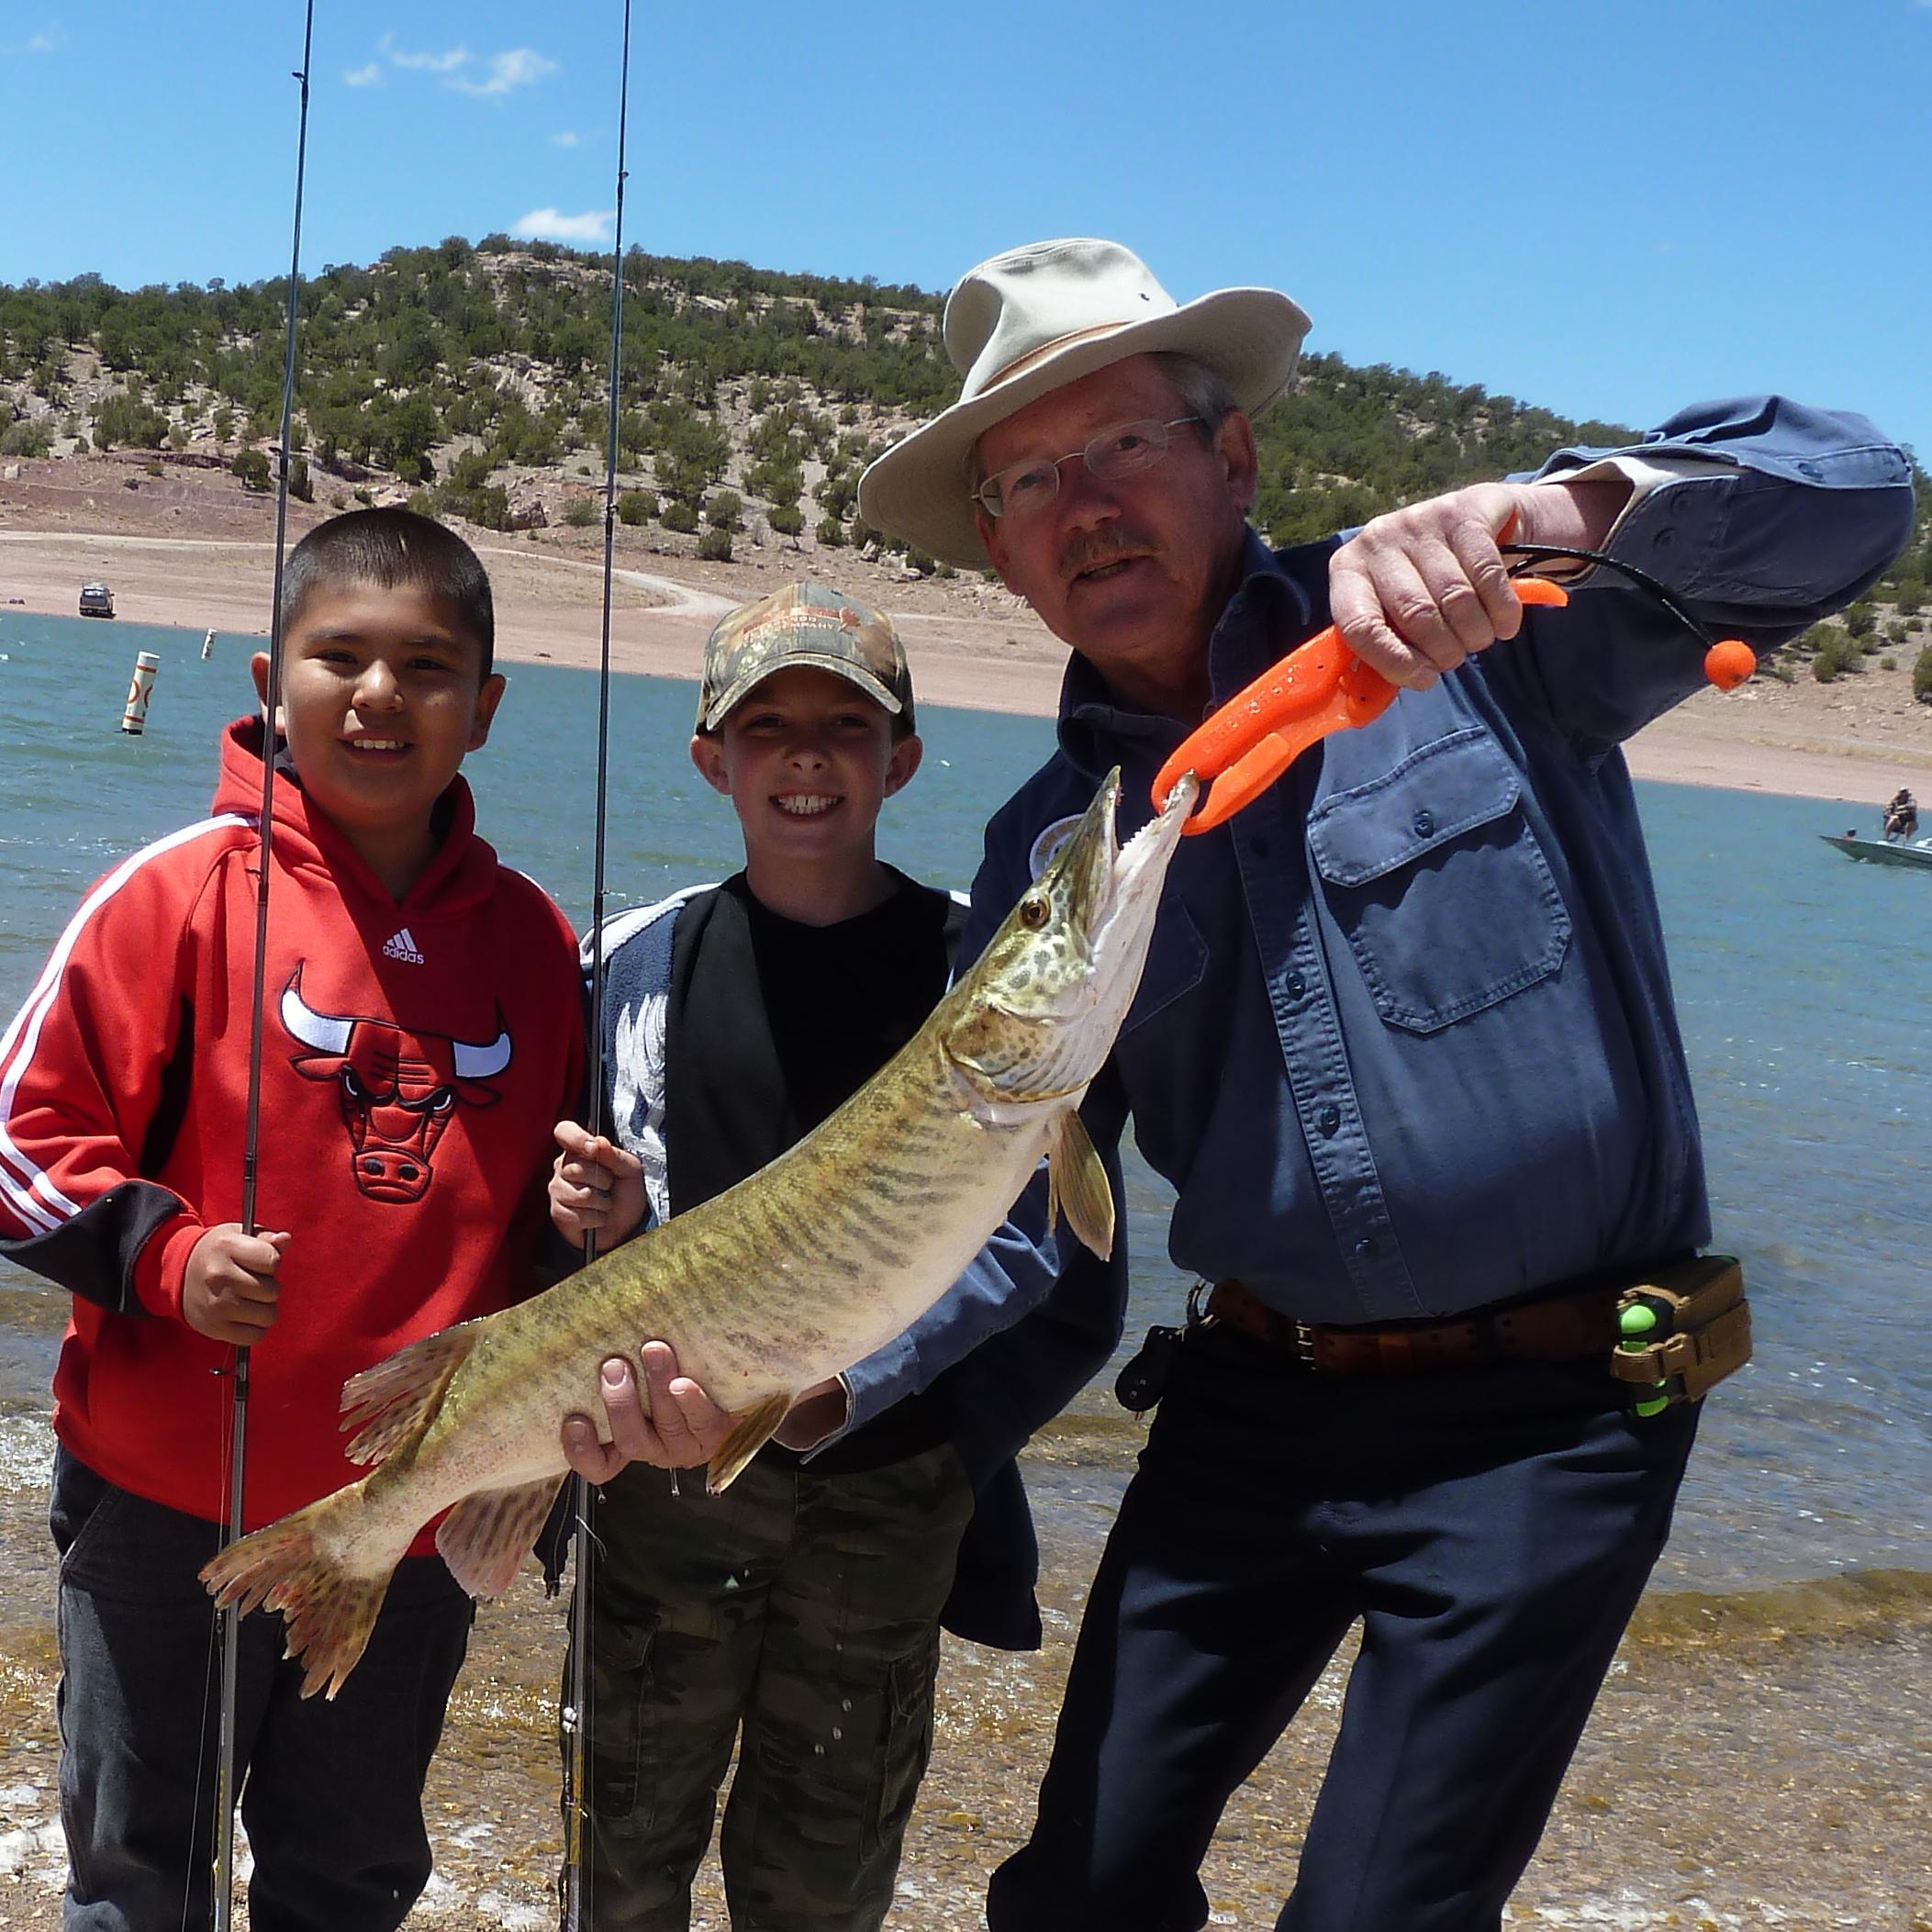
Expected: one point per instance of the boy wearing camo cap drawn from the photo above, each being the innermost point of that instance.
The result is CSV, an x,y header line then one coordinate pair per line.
x,y
802,1606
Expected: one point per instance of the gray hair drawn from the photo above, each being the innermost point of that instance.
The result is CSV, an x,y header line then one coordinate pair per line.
x,y
1203,390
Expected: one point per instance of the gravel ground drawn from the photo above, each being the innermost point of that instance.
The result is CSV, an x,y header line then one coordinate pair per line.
x,y
1755,1761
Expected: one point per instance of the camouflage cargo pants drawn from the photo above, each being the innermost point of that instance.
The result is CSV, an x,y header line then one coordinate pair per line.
x,y
806,1609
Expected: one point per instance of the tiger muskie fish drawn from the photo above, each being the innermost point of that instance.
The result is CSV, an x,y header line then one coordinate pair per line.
x,y
797,1272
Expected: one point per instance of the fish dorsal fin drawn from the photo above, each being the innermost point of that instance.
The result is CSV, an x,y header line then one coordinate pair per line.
x,y
394,1401
754,1428
1077,1185
486,1536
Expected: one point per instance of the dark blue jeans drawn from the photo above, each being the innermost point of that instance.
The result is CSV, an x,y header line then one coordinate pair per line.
x,y
1492,1531
332,1798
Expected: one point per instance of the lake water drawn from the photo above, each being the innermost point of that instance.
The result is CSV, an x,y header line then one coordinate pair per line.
x,y
1802,981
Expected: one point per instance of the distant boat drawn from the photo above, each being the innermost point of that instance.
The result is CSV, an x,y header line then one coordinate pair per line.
x,y
97,600
1883,851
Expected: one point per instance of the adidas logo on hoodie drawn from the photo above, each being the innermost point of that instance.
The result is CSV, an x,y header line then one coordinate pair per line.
x,y
401,945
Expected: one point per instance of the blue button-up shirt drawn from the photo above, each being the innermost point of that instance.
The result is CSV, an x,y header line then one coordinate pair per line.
x,y
1405,1044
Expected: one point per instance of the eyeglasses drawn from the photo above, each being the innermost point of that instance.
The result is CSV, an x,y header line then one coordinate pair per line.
x,y
1022,488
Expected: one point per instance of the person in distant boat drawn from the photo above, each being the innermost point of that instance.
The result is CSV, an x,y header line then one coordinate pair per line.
x,y
1902,815
420,1038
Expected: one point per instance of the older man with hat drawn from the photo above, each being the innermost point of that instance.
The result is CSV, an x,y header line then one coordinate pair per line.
x,y
1405,1049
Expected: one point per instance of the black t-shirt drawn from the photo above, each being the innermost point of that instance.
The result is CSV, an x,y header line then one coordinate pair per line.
x,y
772,1026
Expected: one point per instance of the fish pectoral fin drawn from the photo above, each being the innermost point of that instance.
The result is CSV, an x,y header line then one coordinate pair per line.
x,y
486,1536
1077,1185
394,1401
754,1428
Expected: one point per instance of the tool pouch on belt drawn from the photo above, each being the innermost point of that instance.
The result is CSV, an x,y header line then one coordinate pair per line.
x,y
1702,1330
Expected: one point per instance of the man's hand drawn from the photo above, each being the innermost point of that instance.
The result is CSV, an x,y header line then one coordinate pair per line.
x,y
684,1428
595,1187
1422,588
229,1290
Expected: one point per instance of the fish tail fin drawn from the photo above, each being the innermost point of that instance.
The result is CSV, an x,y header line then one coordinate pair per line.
x,y
329,1610
396,1400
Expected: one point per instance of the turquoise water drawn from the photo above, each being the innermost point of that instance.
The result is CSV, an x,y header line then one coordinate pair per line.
x,y
1801,982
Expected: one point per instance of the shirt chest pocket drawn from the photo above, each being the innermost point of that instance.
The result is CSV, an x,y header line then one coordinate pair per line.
x,y
1176,960
1433,875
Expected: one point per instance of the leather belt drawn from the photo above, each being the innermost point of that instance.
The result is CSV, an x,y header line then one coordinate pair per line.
x,y
1561,1329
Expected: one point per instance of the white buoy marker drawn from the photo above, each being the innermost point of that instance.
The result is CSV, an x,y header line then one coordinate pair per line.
x,y
140,687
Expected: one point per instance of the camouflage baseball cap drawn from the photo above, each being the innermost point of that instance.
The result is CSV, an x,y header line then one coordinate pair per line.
x,y
803,624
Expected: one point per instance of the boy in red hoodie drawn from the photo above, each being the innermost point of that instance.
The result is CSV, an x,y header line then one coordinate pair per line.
x,y
421,1037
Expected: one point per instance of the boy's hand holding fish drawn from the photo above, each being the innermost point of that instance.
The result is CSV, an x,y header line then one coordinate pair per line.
x,y
663,1418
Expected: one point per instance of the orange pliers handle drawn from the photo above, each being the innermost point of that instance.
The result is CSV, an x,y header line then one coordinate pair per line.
x,y
1322,687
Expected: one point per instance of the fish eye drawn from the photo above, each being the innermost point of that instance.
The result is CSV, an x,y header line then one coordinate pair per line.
x,y
1033,911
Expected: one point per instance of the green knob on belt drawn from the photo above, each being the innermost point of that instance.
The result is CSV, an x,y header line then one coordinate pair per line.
x,y
1636,1320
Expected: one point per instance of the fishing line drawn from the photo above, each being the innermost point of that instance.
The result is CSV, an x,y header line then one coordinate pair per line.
x,y
230,1619
1541,553
573,1882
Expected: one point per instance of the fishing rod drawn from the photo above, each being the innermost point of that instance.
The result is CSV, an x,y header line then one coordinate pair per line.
x,y
225,1792
573,1882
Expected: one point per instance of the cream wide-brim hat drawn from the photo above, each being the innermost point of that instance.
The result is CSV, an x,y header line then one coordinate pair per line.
x,y
1037,319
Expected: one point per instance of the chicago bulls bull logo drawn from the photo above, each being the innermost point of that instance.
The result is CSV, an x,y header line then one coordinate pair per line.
x,y
397,1088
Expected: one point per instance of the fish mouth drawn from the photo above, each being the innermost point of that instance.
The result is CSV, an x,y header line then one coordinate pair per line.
x,y
1112,889
1153,844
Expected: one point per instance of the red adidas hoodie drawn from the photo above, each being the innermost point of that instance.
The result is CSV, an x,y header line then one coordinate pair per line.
x,y
415,1056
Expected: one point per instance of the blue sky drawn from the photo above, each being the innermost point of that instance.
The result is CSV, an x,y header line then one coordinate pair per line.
x,y
1608,208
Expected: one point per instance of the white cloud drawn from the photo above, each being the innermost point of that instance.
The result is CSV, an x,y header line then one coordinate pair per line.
x,y
425,63
457,68
517,67
41,43
551,225
570,140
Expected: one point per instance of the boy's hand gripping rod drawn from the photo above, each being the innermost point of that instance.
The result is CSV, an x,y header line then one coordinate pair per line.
x,y
1322,687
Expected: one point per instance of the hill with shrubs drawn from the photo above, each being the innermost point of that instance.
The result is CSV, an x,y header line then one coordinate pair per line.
x,y
471,381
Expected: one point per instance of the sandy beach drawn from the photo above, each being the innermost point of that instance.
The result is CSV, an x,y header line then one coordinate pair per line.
x,y
972,644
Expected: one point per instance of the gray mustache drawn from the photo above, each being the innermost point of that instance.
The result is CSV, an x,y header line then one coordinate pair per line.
x,y
1089,553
